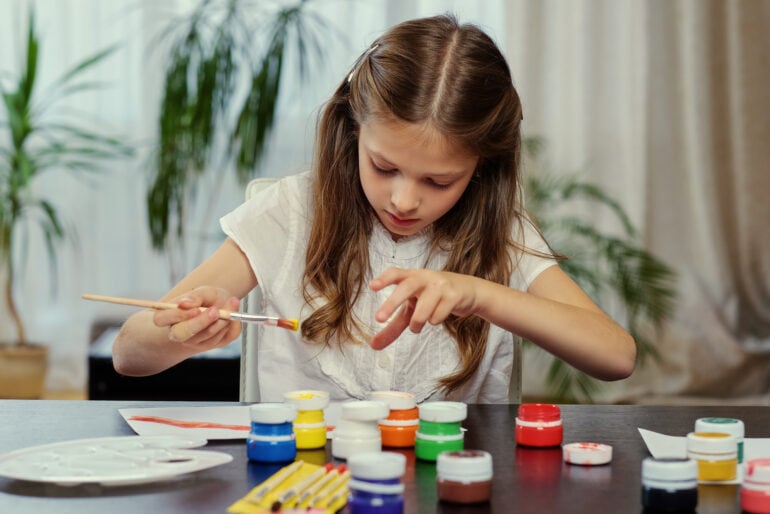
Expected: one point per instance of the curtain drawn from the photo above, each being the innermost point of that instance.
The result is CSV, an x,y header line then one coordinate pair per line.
x,y
665,105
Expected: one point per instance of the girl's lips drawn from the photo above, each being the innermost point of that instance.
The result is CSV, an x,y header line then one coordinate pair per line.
x,y
400,221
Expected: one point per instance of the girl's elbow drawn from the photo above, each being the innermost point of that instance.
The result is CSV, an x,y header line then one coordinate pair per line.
x,y
625,363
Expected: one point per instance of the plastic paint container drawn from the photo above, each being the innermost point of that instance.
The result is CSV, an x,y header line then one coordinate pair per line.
x,y
310,425
271,438
399,429
716,455
669,485
464,476
731,426
357,430
755,490
376,486
539,425
587,454
439,429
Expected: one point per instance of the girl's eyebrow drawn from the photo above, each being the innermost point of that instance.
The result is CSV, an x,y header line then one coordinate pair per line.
x,y
383,162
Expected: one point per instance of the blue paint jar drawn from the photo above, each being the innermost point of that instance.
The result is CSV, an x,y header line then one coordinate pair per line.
x,y
271,438
669,485
376,486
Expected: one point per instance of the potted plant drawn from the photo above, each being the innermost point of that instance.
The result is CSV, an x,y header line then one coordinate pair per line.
x,y
207,123
610,267
34,138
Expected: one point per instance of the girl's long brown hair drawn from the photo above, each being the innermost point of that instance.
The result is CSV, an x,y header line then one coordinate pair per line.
x,y
453,79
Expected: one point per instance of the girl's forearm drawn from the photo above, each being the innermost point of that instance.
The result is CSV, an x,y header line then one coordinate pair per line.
x,y
142,349
582,336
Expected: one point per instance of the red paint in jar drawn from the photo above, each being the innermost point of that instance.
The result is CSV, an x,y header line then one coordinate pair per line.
x,y
539,425
755,490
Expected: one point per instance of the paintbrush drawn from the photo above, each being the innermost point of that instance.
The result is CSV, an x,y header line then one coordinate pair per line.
x,y
290,324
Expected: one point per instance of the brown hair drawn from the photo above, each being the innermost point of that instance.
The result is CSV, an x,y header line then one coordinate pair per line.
x,y
449,77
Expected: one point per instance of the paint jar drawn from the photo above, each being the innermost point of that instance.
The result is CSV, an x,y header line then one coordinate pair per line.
x,y
669,485
731,426
439,429
310,425
357,430
271,438
587,454
399,429
464,476
755,490
716,455
375,484
539,425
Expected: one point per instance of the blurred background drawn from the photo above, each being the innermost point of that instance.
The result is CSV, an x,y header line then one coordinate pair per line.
x,y
647,125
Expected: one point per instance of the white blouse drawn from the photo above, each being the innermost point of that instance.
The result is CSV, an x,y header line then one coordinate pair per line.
x,y
272,229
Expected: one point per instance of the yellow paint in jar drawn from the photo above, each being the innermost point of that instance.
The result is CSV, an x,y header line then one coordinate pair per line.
x,y
715,453
309,425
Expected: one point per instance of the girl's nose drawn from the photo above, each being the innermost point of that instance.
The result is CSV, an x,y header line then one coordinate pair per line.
x,y
405,197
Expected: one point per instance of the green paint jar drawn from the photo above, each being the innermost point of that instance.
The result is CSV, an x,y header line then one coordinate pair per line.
x,y
439,429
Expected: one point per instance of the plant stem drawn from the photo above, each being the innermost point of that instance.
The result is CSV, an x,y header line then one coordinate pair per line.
x,y
20,332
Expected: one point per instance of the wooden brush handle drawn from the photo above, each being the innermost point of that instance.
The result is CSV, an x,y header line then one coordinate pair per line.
x,y
148,304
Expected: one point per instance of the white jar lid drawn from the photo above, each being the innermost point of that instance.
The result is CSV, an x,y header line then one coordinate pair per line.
x,y
712,443
272,413
307,399
464,466
669,469
396,400
587,454
377,465
730,426
364,410
757,471
443,412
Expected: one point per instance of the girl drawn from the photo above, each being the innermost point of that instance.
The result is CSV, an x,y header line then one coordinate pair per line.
x,y
405,252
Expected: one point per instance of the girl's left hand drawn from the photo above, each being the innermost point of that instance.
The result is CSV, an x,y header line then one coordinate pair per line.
x,y
425,296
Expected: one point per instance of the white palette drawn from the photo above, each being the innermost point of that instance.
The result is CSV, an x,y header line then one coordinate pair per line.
x,y
124,460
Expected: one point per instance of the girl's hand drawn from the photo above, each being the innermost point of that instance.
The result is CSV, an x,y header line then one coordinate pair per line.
x,y
424,296
202,330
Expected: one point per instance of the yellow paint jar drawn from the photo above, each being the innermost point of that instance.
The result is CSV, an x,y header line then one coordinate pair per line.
x,y
309,425
715,453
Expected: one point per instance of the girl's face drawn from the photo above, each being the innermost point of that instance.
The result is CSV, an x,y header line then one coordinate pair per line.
x,y
411,175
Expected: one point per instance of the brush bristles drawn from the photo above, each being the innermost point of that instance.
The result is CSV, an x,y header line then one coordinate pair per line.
x,y
291,324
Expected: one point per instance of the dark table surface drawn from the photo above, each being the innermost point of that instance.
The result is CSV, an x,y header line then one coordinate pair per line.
x,y
525,480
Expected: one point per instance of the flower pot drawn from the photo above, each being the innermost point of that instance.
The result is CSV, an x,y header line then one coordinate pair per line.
x,y
22,370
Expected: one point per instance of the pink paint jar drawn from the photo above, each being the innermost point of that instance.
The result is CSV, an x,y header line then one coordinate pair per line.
x,y
755,490
539,425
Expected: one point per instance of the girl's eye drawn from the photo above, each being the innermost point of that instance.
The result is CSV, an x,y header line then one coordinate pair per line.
x,y
438,185
382,171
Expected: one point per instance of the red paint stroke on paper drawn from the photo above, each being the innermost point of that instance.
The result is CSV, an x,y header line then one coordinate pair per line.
x,y
188,424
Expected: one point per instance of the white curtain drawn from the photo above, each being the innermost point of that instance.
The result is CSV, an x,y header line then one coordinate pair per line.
x,y
665,104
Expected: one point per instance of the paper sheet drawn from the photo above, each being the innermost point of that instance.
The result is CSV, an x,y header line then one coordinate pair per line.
x,y
663,446
207,422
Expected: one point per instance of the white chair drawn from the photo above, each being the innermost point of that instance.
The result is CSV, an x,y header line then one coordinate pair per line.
x,y
249,382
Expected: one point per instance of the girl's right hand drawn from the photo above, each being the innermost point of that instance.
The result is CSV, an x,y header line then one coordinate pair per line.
x,y
200,329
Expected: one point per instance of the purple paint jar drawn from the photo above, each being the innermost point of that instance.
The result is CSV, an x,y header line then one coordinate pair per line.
x,y
376,486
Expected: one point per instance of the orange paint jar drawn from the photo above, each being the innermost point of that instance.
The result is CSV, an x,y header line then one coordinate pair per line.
x,y
399,429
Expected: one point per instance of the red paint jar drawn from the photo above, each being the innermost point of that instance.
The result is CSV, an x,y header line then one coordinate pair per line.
x,y
539,425
755,490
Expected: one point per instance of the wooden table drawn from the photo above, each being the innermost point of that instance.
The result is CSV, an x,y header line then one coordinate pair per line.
x,y
525,480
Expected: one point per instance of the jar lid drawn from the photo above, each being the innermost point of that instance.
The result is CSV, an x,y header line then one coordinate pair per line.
x,y
396,400
587,454
464,465
443,412
711,443
364,410
757,471
669,469
272,412
377,465
539,412
307,399
730,426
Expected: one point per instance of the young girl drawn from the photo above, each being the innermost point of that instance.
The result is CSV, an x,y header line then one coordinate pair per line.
x,y
406,252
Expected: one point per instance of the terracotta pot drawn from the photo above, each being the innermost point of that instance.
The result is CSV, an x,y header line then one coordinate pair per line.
x,y
22,370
